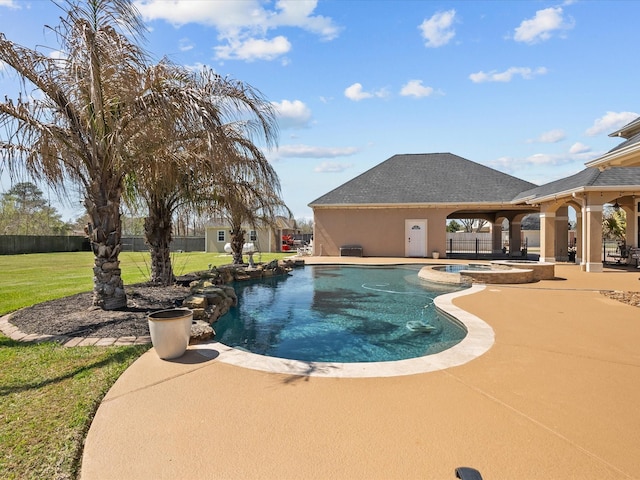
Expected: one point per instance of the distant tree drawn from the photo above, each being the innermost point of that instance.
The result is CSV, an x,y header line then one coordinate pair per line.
x,y
305,225
473,224
453,226
531,222
24,211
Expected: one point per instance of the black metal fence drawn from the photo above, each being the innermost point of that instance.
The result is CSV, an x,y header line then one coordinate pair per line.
x,y
481,247
617,252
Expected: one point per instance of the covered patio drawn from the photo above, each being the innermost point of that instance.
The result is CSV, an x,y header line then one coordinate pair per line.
x,y
612,179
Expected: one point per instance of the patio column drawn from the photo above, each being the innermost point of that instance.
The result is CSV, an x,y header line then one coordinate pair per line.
x,y
496,237
547,236
515,238
580,234
562,234
593,238
631,235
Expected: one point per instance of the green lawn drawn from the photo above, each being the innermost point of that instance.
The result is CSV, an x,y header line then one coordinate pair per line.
x,y
49,393
35,278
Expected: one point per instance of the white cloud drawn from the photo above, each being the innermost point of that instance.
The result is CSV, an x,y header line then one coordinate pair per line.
x,y
308,151
552,136
243,26
356,93
292,114
437,30
506,76
610,122
332,167
538,163
542,26
185,45
253,49
579,148
414,88
9,4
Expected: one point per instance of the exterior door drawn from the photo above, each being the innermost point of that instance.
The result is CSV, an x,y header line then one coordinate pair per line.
x,y
416,238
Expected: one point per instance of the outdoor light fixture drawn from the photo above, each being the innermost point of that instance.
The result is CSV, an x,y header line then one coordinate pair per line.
x,y
616,206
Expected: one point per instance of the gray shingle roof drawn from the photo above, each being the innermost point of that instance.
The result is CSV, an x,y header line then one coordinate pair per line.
x,y
629,130
426,178
632,140
589,177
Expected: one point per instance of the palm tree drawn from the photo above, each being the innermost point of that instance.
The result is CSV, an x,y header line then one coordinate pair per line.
x,y
215,121
79,125
252,199
614,224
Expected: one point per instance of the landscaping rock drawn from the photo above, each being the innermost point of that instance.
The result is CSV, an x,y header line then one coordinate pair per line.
x,y
201,331
195,301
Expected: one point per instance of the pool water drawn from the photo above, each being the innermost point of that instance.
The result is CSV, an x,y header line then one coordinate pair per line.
x,y
340,314
459,268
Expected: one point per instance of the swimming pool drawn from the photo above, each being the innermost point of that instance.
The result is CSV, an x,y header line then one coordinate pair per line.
x,y
340,314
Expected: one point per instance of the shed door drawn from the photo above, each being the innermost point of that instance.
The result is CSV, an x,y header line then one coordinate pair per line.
x,y
416,238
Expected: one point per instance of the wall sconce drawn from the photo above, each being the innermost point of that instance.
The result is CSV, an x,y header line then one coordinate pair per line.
x,y
616,206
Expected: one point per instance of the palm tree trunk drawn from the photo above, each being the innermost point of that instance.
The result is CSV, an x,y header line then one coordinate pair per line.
x,y
104,234
237,242
158,235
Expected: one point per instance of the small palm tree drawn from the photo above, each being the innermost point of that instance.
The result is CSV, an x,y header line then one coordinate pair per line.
x,y
252,199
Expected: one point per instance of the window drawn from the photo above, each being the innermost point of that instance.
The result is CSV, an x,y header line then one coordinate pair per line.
x,y
221,235
253,236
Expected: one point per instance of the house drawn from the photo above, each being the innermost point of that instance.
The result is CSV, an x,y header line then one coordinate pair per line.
x,y
400,207
265,238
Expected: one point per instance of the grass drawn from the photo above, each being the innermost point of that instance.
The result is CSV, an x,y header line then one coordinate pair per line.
x,y
49,393
28,279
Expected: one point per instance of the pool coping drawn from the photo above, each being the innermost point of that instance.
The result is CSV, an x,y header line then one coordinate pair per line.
x,y
479,339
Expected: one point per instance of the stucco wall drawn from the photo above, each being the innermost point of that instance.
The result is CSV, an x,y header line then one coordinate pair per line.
x,y
380,231
263,243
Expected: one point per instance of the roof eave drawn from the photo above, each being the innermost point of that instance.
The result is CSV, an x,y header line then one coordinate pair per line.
x,y
455,205
615,158
573,191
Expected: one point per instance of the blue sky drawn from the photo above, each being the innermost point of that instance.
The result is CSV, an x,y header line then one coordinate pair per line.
x,y
531,88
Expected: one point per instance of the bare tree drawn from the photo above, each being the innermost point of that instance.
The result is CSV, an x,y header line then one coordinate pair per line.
x,y
473,224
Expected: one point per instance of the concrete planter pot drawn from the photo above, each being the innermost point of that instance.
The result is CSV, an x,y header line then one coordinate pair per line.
x,y
435,254
170,331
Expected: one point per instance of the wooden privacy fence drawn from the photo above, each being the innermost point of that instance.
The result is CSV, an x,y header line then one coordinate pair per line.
x,y
19,244
16,244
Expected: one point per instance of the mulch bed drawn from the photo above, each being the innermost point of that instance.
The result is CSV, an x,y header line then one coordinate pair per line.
x,y
74,316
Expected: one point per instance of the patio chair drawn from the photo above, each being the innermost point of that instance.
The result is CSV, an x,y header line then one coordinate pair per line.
x,y
468,473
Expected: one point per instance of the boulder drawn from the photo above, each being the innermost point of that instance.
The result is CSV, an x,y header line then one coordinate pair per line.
x,y
201,331
195,301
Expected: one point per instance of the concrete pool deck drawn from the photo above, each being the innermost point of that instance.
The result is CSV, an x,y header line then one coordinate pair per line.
x,y
556,397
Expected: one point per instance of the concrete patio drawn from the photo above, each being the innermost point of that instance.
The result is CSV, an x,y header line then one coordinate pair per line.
x,y
556,397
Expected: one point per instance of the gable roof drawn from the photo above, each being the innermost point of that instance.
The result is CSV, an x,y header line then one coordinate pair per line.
x,y
588,179
429,178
